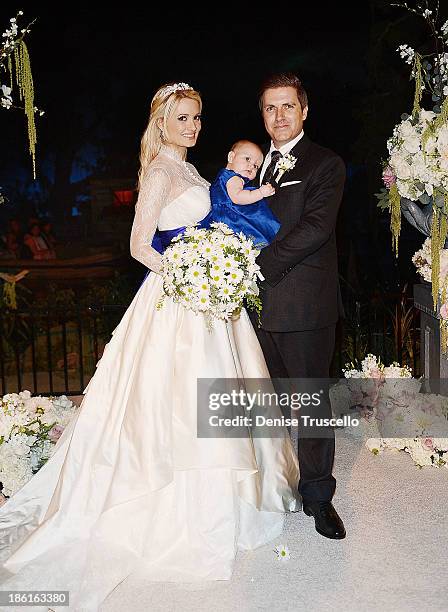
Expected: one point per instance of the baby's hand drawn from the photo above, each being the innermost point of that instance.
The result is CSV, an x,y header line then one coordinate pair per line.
x,y
267,190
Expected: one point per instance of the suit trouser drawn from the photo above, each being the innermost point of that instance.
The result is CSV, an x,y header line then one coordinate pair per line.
x,y
306,354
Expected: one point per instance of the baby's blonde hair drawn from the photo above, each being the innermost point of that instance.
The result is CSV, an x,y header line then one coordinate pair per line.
x,y
240,143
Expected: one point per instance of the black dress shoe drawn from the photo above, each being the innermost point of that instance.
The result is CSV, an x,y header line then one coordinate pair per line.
x,y
327,521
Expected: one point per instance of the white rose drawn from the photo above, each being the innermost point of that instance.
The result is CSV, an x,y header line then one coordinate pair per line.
x,y
442,136
412,144
408,190
400,166
426,116
406,129
420,456
63,402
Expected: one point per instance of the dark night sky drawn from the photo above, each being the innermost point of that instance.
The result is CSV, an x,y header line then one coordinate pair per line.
x,y
87,60
96,71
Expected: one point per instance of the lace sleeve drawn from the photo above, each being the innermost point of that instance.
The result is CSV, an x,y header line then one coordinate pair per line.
x,y
152,197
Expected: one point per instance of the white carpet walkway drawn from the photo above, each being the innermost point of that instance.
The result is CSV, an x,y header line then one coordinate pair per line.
x,y
393,559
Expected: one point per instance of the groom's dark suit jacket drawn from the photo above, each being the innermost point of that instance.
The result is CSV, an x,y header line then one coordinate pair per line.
x,y
300,266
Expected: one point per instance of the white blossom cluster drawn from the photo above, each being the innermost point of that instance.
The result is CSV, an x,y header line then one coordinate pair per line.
x,y
11,34
434,65
419,168
211,271
372,367
6,99
423,451
390,402
29,428
407,53
10,39
422,260
441,61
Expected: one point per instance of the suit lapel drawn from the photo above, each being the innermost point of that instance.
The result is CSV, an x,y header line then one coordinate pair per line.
x,y
298,151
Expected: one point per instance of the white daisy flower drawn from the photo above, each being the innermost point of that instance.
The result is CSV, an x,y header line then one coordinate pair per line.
x,y
282,553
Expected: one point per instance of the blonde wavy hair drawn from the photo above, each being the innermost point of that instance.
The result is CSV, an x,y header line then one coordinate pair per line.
x,y
163,106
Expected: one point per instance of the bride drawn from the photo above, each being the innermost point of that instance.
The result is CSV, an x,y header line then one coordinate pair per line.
x,y
130,485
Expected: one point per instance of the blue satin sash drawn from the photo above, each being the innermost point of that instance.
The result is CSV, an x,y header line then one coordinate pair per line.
x,y
162,240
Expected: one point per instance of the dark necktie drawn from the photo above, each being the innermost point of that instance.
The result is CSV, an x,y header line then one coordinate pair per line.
x,y
275,156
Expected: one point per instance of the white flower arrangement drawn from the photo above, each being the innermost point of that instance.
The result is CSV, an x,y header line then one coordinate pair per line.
x,y
417,167
211,271
419,164
284,164
389,400
15,64
422,260
423,451
372,367
29,429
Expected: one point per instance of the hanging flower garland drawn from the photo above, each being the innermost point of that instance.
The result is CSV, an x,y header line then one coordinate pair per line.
x,y
417,167
15,63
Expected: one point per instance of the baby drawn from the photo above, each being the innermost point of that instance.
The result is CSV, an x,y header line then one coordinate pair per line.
x,y
239,205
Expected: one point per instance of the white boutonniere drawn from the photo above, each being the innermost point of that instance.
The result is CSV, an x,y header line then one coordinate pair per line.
x,y
284,164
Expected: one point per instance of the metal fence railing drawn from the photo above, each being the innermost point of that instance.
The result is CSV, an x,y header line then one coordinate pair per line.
x,y
55,351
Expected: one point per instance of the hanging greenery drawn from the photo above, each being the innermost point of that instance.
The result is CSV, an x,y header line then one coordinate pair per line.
x,y
15,62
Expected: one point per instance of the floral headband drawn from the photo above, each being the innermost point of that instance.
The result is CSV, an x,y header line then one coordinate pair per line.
x,y
169,89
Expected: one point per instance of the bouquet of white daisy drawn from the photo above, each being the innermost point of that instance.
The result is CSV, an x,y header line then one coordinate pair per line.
x,y
212,271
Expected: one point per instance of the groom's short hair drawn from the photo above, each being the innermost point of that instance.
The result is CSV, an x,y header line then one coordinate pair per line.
x,y
283,79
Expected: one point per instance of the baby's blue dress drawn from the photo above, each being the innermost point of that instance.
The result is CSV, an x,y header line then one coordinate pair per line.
x,y
256,221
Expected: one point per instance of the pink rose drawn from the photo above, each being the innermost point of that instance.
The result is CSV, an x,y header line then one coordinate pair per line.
x,y
389,177
55,432
444,311
428,444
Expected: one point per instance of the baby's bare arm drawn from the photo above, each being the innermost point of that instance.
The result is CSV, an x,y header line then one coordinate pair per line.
x,y
238,195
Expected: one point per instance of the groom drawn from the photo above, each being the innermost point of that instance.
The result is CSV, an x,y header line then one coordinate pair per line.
x,y
300,293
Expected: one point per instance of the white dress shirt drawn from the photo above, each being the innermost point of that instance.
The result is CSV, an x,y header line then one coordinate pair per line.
x,y
286,148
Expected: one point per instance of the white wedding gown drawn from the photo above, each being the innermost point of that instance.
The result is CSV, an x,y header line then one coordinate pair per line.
x,y
130,485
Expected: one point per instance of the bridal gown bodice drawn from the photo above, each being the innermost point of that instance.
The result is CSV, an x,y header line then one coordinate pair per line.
x,y
130,488
172,194
187,209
